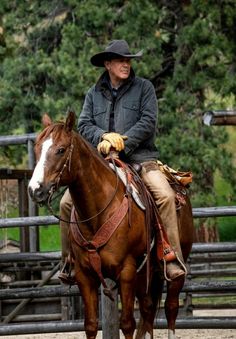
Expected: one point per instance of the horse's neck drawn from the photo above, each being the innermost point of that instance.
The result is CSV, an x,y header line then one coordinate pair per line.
x,y
94,186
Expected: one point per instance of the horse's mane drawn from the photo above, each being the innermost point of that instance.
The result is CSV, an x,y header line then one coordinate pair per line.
x,y
58,127
93,150
48,130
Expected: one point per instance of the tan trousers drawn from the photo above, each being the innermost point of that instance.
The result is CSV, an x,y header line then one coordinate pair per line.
x,y
65,213
164,197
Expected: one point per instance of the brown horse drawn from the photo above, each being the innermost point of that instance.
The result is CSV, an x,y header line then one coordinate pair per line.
x,y
64,158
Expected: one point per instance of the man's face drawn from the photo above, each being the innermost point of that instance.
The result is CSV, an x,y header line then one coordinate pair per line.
x,y
119,68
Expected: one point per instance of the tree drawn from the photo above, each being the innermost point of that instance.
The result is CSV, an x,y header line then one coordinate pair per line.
x,y
189,55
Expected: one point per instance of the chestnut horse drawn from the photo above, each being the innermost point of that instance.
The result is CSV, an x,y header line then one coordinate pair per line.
x,y
64,158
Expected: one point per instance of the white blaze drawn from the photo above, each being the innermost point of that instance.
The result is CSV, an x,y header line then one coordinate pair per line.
x,y
38,173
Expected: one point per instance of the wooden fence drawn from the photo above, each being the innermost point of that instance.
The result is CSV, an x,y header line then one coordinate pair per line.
x,y
20,293
202,254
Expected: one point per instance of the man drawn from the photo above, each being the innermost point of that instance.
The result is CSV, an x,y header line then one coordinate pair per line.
x,y
120,111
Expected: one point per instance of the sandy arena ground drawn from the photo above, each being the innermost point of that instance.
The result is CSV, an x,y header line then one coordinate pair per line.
x,y
159,334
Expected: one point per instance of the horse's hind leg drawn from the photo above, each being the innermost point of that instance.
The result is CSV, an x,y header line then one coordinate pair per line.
x,y
172,304
148,304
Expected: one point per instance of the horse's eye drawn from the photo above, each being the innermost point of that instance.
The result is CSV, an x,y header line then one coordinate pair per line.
x,y
60,150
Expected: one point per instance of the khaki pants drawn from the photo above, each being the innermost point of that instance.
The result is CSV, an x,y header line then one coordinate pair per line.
x,y
65,213
164,197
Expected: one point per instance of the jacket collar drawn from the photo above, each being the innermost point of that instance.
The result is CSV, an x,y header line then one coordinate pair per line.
x,y
103,83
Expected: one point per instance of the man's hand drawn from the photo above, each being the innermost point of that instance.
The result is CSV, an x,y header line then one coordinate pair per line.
x,y
104,147
116,140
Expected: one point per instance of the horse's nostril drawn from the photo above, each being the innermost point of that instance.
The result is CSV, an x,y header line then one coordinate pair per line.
x,y
39,194
42,193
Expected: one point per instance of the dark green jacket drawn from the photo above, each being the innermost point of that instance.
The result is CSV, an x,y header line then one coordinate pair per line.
x,y
135,115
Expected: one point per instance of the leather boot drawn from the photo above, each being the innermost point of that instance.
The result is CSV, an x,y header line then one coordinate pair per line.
x,y
66,274
164,197
176,268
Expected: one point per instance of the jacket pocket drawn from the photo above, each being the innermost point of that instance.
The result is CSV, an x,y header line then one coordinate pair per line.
x,y
99,110
99,115
131,105
131,112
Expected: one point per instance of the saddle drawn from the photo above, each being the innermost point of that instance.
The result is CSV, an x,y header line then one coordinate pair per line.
x,y
178,180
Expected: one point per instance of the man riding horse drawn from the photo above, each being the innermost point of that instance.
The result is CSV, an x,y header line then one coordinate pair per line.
x,y
120,112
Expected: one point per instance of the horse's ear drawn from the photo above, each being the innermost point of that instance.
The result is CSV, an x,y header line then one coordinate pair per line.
x,y
70,121
46,120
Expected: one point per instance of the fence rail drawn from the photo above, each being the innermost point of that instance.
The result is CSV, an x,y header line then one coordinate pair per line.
x,y
16,139
203,212
74,326
59,291
192,288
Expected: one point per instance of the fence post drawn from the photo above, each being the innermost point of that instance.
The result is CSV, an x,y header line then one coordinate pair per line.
x,y
33,209
23,211
110,314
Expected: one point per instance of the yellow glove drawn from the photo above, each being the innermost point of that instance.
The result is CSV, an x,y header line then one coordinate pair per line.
x,y
104,147
116,140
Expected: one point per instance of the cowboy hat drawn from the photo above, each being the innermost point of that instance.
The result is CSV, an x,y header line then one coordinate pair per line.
x,y
114,50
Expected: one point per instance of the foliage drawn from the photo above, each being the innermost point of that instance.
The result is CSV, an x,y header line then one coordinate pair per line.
x,y
189,51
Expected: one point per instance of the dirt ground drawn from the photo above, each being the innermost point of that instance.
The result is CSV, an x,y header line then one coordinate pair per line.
x,y
159,334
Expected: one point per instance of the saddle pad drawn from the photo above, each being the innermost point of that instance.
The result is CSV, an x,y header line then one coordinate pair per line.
x,y
134,191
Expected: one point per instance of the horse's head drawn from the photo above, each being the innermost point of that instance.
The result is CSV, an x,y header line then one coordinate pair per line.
x,y
53,150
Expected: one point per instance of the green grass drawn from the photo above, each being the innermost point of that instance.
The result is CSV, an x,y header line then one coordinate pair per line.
x,y
49,236
224,194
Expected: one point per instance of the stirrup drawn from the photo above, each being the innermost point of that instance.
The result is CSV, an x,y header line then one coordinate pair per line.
x,y
66,278
181,266
65,275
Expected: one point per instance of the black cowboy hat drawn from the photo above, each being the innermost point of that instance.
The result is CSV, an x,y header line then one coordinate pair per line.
x,y
115,49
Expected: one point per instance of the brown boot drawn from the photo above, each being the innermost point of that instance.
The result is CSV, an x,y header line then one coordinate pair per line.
x,y
174,270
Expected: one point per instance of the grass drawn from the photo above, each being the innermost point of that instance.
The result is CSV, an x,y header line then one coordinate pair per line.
x,y
224,194
49,236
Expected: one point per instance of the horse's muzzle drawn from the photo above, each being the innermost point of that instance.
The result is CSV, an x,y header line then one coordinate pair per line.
x,y
41,194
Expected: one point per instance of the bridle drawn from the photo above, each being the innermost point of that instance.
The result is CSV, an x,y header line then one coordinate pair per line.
x,y
55,187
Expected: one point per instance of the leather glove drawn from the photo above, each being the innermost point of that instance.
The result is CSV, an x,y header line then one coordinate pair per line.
x,y
104,147
116,140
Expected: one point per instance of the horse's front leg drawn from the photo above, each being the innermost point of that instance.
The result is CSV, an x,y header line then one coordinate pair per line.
x,y
89,292
172,304
127,294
